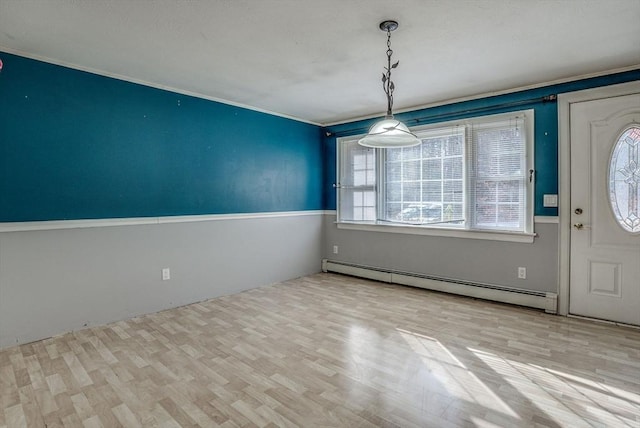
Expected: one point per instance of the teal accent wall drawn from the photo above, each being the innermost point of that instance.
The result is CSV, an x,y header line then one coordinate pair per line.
x,y
75,145
546,129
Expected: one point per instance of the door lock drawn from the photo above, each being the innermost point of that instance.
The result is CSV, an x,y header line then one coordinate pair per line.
x,y
578,211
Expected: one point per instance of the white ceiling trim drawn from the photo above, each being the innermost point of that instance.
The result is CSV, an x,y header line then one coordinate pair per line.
x,y
490,94
149,84
273,113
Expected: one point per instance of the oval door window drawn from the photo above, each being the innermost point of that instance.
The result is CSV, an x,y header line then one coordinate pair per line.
x,y
624,180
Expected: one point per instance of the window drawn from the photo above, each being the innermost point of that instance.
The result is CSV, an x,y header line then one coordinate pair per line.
x,y
357,187
624,180
424,184
474,175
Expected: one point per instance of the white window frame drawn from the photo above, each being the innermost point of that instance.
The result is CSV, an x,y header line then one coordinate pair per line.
x,y
347,186
445,230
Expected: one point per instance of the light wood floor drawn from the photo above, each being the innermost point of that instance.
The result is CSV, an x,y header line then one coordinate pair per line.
x,y
331,351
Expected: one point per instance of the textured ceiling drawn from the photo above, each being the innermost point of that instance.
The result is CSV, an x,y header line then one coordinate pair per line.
x,y
321,60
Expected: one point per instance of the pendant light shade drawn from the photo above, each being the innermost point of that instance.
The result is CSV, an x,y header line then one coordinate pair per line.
x,y
389,132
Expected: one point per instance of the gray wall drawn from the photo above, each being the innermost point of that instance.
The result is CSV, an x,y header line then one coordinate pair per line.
x,y
54,281
490,262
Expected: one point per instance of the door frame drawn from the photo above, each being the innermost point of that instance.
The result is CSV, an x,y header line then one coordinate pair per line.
x,y
564,177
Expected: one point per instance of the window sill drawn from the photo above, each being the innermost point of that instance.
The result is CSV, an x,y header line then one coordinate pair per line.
x,y
439,231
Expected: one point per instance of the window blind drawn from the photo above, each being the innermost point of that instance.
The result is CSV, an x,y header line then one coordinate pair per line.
x,y
497,175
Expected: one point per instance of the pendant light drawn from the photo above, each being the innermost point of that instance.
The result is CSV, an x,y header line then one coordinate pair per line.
x,y
389,132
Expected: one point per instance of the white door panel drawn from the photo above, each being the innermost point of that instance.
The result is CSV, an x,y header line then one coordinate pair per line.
x,y
605,258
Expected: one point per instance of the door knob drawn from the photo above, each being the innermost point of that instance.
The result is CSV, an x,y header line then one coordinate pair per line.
x,y
578,211
578,226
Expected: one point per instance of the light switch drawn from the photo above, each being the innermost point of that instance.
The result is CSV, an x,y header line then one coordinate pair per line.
x,y
550,201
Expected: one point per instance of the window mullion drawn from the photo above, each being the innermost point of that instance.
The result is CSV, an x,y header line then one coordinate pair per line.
x,y
469,170
402,182
381,184
442,182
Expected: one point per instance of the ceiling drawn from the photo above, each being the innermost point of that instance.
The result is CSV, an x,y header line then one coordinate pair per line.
x,y
321,61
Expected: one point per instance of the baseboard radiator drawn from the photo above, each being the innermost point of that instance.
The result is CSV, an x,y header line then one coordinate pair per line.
x,y
533,299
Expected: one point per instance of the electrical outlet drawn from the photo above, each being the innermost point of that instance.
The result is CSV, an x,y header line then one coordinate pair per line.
x,y
522,273
166,274
335,249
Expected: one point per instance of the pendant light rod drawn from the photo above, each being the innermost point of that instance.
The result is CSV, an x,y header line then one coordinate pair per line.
x,y
387,83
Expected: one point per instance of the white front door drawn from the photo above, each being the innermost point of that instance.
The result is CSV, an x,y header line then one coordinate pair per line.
x,y
605,209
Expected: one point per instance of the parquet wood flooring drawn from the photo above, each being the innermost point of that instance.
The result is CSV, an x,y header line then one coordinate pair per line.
x,y
329,351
